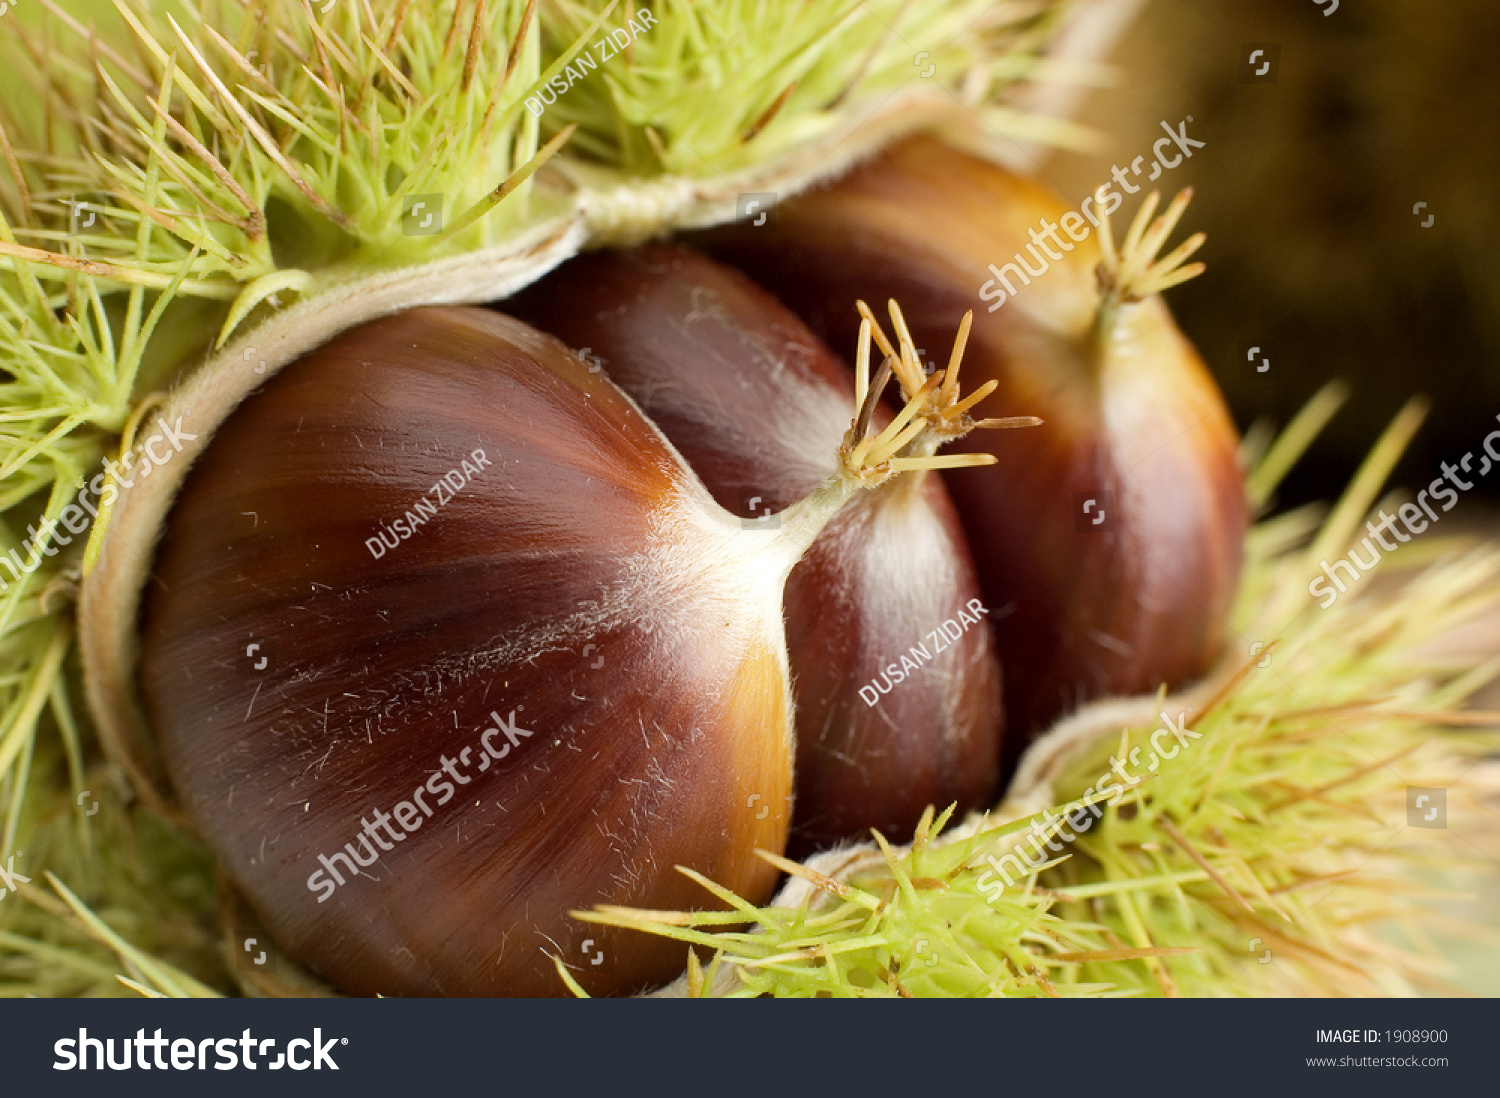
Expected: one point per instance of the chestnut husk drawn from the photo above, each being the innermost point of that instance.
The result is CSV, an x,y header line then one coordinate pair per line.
x,y
665,743
1132,419
758,407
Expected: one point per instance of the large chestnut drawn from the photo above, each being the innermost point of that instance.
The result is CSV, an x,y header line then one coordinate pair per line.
x,y
1112,534
896,683
445,640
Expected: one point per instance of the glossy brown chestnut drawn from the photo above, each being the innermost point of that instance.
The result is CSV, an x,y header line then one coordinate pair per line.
x,y
1114,596
564,678
893,670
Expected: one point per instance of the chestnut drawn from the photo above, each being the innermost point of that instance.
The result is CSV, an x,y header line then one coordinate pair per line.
x,y
444,640
894,673
1112,535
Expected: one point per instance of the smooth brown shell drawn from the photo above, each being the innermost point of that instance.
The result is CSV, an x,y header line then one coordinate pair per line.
x,y
560,593
758,406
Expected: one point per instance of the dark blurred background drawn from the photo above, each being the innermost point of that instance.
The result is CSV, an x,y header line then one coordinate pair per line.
x,y
1306,188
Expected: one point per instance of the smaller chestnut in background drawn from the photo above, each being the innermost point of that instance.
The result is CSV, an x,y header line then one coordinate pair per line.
x,y
1133,592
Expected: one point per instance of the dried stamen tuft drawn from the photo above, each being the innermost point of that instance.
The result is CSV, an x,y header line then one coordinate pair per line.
x,y
933,413
1134,273
945,414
